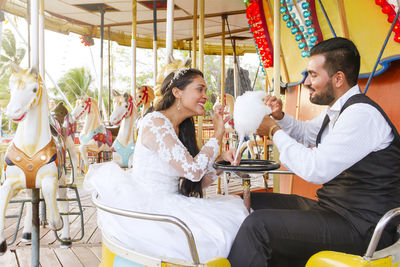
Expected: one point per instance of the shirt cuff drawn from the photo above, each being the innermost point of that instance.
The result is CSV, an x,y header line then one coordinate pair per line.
x,y
285,122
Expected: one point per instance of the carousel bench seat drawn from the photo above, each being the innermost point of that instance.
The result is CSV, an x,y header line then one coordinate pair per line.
x,y
114,253
387,257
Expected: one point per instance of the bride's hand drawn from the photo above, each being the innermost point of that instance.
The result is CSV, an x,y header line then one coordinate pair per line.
x,y
218,122
230,156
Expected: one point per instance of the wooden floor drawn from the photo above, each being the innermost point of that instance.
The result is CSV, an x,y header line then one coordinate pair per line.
x,y
86,252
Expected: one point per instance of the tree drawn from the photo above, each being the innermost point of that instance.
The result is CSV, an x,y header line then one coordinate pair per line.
x,y
75,83
9,53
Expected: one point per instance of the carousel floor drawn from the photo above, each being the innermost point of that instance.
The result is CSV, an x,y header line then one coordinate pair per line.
x,y
86,252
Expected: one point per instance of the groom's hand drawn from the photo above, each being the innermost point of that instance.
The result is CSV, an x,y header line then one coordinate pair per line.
x,y
266,124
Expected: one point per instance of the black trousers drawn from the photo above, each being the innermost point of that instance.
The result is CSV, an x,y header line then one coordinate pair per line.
x,y
286,230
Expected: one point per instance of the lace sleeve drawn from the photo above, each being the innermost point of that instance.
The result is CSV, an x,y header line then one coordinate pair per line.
x,y
158,135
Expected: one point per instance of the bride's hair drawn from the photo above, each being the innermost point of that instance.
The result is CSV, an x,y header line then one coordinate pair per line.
x,y
187,134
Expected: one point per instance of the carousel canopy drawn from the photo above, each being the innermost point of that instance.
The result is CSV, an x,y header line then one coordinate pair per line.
x,y
303,24
84,17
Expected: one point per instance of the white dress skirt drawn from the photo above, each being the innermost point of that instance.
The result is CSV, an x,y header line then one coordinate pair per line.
x,y
151,186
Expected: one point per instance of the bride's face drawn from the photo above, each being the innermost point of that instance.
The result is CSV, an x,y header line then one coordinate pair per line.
x,y
194,97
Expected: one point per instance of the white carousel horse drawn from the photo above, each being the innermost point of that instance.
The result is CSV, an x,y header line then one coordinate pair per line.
x,y
125,114
94,135
144,98
32,160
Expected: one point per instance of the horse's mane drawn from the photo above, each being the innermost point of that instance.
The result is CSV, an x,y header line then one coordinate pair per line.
x,y
95,109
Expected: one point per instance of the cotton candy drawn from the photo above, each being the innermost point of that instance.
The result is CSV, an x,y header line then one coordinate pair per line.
x,y
248,114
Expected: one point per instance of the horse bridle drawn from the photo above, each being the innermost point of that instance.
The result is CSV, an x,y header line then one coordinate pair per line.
x,y
145,97
88,103
129,109
39,92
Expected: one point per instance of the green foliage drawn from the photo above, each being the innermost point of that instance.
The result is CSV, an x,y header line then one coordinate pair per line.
x,y
75,83
9,53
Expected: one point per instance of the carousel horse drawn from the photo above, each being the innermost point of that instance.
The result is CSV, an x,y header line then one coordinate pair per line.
x,y
125,114
32,161
229,105
67,131
144,98
94,136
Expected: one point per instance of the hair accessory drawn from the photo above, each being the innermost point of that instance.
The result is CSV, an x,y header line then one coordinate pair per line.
x,y
178,73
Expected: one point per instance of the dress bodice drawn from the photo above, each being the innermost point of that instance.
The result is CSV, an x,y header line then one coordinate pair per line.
x,y
160,159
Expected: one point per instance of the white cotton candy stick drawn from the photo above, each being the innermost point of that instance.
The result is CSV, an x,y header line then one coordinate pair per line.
x,y
248,114
241,140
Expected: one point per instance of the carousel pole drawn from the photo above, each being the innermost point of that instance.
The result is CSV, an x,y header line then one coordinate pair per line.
x,y
42,74
201,36
222,85
133,49
100,97
35,192
170,30
109,71
194,39
155,42
201,67
277,76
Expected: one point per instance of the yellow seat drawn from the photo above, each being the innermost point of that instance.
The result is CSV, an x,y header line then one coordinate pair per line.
x,y
115,254
387,257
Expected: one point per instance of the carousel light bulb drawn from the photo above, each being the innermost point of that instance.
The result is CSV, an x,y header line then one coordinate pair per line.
x,y
313,39
310,30
289,24
301,45
386,9
290,8
308,22
397,38
294,30
305,5
306,14
298,37
283,9
285,17
396,28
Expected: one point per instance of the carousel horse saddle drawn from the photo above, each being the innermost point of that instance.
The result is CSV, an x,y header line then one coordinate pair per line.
x,y
31,165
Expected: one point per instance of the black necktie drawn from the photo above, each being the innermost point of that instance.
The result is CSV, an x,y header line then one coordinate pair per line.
x,y
324,124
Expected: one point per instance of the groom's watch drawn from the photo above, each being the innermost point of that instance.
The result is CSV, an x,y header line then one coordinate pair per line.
x,y
272,131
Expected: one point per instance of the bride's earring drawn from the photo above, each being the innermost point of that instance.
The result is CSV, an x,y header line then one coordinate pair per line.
x,y
179,104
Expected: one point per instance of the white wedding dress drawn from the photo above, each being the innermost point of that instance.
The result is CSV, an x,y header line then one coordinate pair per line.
x,y
151,186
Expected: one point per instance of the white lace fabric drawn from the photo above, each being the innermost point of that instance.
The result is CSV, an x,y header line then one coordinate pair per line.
x,y
159,136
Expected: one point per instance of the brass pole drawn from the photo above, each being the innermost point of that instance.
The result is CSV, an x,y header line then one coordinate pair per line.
x,y
133,47
194,39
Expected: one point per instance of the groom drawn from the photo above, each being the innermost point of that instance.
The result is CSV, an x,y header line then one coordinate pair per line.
x,y
352,149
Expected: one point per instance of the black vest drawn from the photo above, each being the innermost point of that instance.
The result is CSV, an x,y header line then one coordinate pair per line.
x,y
363,193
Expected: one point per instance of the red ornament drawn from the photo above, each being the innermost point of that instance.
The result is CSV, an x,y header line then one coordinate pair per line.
x,y
391,18
380,2
386,9
397,38
396,28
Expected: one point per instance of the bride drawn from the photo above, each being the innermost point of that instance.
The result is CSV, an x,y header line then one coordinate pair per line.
x,y
168,175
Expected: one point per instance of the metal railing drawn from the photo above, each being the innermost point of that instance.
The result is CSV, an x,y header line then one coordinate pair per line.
x,y
378,231
153,217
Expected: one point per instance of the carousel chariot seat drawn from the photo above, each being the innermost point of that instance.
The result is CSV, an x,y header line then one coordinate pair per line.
x,y
387,257
114,253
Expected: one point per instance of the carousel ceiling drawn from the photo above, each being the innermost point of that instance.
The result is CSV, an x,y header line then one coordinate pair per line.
x,y
84,17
